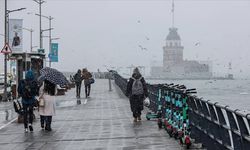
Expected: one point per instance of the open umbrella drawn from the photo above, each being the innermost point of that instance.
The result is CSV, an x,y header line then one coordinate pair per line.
x,y
53,76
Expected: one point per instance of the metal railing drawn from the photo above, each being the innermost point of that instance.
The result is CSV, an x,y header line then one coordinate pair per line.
x,y
216,126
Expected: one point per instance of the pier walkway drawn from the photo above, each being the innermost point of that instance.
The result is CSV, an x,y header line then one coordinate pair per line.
x,y
103,121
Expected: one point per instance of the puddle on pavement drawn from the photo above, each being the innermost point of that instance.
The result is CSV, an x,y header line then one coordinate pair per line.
x,y
7,115
71,103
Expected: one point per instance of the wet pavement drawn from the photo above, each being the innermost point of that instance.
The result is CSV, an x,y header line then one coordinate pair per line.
x,y
7,113
101,122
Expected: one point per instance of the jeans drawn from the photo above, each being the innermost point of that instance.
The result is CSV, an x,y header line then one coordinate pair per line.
x,y
27,114
87,90
78,90
45,120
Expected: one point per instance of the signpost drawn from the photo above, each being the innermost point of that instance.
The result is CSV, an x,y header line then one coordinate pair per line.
x,y
53,55
6,49
41,50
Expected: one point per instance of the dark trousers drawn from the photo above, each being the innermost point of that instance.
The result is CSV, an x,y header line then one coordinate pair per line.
x,y
87,89
78,90
45,120
27,114
136,105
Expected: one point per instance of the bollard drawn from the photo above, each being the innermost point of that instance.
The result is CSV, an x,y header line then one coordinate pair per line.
x,y
7,115
110,88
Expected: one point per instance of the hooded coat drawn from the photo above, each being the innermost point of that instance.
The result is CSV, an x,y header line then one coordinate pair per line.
x,y
78,77
86,76
131,81
136,101
29,79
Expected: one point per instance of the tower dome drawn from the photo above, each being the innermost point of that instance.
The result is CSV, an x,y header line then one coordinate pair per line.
x,y
173,35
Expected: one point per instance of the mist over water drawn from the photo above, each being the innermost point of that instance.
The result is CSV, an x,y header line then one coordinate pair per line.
x,y
234,93
101,33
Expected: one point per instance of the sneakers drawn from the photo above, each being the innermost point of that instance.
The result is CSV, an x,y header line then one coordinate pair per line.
x,y
26,130
135,119
31,128
139,118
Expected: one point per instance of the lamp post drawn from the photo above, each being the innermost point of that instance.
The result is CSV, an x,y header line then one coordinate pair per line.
x,y
40,2
6,37
49,18
30,30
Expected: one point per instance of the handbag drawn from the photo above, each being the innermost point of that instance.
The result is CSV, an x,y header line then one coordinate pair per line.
x,y
146,102
18,106
41,101
91,80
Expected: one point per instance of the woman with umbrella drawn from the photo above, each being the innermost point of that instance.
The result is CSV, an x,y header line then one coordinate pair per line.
x,y
47,110
51,78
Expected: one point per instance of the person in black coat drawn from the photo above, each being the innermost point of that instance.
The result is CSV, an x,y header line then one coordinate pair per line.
x,y
78,81
137,92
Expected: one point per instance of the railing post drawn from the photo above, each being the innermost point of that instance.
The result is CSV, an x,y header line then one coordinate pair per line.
x,y
110,86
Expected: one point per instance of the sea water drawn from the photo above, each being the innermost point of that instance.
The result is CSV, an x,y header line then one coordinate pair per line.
x,y
234,93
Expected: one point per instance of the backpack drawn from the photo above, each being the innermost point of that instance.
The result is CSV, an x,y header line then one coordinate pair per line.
x,y
137,87
28,89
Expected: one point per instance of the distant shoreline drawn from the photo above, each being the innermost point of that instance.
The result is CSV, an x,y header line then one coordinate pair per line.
x,y
213,78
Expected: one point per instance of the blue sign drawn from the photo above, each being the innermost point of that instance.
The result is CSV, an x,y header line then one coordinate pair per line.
x,y
53,56
41,50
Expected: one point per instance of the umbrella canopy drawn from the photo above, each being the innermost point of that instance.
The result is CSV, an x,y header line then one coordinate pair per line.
x,y
53,76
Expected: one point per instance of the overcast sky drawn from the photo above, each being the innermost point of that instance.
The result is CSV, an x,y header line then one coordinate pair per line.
x,y
107,32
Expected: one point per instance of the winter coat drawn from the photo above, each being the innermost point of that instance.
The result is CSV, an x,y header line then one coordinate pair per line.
x,y
78,78
136,101
130,83
49,108
29,79
86,76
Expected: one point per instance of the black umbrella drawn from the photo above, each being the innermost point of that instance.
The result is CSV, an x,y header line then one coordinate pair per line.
x,y
53,76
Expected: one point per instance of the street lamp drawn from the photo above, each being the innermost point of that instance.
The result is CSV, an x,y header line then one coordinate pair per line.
x,y
49,18
6,39
40,2
30,30
55,39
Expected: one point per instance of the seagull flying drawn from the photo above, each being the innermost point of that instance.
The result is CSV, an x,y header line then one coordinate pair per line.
x,y
142,48
198,43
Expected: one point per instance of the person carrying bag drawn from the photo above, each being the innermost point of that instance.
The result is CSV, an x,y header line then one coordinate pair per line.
x,y
47,104
137,92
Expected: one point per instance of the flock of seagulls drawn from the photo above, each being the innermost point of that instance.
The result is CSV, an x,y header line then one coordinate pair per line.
x,y
143,48
147,38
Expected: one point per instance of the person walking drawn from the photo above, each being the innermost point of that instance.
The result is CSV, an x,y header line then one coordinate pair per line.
x,y
87,78
78,81
137,92
28,89
46,111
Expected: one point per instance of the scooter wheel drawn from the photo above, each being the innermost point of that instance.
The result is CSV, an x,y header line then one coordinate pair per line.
x,y
160,124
